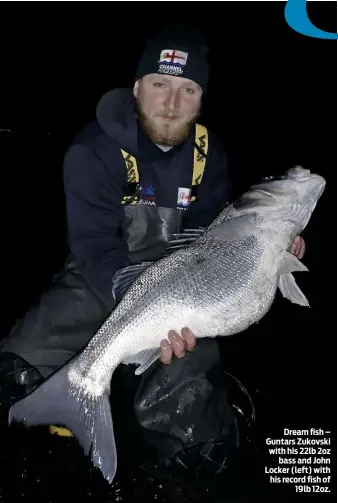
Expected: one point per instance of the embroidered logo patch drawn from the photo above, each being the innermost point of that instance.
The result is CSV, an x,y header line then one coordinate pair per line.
x,y
172,61
183,196
147,195
173,57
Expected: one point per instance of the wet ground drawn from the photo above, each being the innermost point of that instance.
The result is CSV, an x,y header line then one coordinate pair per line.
x,y
48,470
44,468
37,465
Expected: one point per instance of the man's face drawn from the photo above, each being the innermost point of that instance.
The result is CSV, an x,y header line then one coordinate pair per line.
x,y
167,106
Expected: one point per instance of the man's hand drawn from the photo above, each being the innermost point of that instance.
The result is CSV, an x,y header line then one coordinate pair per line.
x,y
177,345
298,247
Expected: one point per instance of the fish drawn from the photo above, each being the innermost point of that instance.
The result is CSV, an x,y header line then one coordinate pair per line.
x,y
217,281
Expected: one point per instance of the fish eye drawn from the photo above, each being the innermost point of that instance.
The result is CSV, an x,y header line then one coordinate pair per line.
x,y
275,177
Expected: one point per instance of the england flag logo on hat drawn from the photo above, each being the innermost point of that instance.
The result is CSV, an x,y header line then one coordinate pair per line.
x,y
173,57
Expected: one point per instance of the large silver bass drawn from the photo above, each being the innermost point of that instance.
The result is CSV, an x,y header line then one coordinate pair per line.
x,y
222,281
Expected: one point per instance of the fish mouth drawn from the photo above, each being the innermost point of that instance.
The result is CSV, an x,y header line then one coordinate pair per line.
x,y
318,190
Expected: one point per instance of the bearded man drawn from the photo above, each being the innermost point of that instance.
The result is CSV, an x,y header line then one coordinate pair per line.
x,y
142,171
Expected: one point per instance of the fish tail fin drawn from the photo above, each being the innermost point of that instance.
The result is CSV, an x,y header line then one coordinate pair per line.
x,y
87,416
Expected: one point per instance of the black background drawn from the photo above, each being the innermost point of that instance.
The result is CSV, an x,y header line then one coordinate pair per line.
x,y
272,98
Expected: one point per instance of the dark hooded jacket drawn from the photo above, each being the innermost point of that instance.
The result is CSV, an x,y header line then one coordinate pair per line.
x,y
95,180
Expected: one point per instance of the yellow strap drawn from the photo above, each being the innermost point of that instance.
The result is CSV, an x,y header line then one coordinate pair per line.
x,y
201,139
132,173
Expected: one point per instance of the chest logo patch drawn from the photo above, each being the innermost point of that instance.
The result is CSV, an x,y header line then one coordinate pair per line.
x,y
183,196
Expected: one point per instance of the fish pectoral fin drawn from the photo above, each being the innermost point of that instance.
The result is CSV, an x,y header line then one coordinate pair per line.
x,y
290,263
290,290
144,358
125,277
287,283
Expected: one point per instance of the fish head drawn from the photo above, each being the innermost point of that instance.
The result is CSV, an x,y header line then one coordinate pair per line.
x,y
291,196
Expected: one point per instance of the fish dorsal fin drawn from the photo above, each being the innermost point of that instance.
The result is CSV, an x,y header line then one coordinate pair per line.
x,y
183,239
226,230
189,236
124,278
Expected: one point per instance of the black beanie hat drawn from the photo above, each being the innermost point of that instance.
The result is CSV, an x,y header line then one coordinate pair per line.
x,y
178,50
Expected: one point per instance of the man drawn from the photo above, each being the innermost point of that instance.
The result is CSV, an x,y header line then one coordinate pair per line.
x,y
143,170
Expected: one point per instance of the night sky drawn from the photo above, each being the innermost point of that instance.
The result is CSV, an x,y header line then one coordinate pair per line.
x,y
273,100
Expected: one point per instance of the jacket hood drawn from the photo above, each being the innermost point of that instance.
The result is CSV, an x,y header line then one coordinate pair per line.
x,y
115,113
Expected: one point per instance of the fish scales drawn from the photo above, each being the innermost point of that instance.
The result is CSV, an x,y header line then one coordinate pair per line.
x,y
205,292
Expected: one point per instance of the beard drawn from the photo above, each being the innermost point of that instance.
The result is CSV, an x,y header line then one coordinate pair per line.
x,y
164,135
